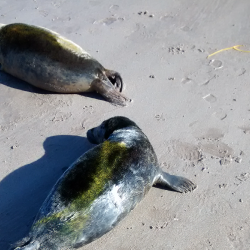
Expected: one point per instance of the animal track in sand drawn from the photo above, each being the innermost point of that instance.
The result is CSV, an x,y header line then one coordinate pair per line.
x,y
235,237
185,151
145,13
109,20
212,134
159,226
245,129
114,7
89,109
44,13
178,49
210,98
166,17
218,149
241,178
220,114
187,81
160,117
60,117
58,4
216,64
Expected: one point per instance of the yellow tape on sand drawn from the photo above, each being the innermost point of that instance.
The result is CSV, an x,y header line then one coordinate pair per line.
x,y
236,47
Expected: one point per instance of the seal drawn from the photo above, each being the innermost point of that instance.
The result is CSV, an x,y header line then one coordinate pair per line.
x,y
49,61
100,188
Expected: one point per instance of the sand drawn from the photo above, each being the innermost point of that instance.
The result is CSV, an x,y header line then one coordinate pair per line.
x,y
195,111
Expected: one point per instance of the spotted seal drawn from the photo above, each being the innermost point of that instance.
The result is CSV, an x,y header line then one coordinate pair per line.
x,y
100,188
49,61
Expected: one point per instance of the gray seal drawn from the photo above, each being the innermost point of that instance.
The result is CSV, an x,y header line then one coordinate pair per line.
x,y
49,61
100,188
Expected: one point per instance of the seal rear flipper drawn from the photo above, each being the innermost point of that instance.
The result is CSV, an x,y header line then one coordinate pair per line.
x,y
116,79
177,183
108,91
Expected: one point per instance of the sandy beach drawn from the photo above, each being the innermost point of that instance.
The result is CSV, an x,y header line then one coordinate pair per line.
x,y
194,109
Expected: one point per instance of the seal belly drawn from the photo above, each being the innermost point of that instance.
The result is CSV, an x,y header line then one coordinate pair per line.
x,y
42,72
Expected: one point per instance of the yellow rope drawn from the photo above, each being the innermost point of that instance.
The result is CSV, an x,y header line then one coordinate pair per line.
x,y
234,47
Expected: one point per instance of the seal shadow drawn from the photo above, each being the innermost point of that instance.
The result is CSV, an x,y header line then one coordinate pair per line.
x,y
23,191
16,83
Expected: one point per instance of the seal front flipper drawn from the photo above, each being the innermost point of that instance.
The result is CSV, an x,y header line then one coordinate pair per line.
x,y
177,183
109,92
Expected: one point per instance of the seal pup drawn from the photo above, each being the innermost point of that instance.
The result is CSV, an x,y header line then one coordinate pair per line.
x,y
49,61
100,188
